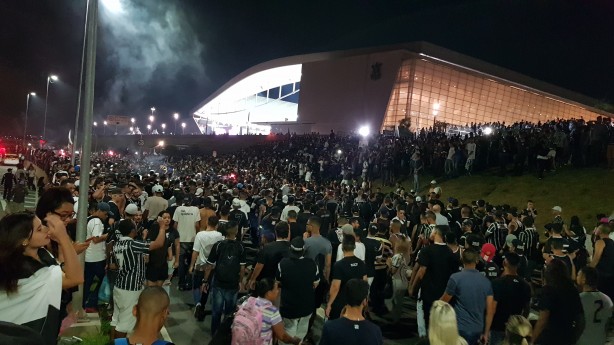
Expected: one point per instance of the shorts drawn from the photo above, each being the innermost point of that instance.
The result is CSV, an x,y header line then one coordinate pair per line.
x,y
320,293
124,301
156,273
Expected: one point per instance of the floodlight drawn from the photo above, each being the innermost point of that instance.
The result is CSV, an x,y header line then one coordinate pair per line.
x,y
364,131
161,143
488,131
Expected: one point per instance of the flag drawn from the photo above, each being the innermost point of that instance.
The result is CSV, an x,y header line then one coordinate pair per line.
x,y
36,304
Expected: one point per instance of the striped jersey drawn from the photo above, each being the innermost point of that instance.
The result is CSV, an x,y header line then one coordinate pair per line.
x,y
530,238
496,234
129,253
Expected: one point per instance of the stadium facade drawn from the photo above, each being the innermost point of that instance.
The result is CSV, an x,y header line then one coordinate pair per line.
x,y
416,85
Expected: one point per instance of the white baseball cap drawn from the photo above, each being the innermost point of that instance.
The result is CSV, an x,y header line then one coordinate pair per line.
x,y
157,189
131,209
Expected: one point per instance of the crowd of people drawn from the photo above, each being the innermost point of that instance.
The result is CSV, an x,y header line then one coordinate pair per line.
x,y
297,225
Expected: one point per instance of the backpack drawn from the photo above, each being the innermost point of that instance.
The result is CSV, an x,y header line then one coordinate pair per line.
x,y
247,324
228,265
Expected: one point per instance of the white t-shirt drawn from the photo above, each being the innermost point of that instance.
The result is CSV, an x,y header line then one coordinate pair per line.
x,y
308,176
96,251
186,217
203,243
359,251
284,213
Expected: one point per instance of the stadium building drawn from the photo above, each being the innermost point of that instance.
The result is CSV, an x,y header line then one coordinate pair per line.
x,y
414,85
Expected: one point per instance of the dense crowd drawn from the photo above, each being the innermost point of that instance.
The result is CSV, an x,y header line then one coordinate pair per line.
x,y
296,224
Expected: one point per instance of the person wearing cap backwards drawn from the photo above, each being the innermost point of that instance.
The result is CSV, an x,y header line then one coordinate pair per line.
x,y
473,296
298,278
512,296
487,254
154,204
95,255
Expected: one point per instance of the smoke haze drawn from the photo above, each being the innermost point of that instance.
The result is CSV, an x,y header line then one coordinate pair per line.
x,y
149,46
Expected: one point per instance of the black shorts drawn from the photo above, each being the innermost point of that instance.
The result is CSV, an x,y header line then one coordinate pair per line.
x,y
320,293
156,273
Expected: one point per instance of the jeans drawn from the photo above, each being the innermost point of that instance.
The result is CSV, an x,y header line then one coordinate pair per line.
x,y
92,269
185,257
223,302
197,281
471,338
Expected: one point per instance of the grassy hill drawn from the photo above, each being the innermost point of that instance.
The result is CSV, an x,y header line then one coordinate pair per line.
x,y
581,192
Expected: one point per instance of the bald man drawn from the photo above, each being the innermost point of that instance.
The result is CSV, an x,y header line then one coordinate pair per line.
x,y
151,312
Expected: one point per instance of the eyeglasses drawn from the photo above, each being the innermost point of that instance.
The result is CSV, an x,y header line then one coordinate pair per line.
x,y
64,216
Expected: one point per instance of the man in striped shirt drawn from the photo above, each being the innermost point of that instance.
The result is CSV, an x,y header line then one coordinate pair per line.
x,y
131,275
530,238
497,231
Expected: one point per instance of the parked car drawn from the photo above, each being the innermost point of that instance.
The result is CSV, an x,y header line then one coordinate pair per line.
x,y
11,159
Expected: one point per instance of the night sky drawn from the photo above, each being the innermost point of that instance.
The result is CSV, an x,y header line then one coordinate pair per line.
x,y
172,54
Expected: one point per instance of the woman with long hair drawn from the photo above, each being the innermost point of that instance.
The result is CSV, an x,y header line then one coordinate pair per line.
x,y
443,327
398,265
517,331
31,281
157,266
561,316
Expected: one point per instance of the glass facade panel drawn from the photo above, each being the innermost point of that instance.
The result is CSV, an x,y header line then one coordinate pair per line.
x,y
425,92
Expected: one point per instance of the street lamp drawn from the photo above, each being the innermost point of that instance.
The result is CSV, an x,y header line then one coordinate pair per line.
x,y
50,80
149,129
104,131
163,127
25,125
152,110
132,130
183,128
176,117
133,120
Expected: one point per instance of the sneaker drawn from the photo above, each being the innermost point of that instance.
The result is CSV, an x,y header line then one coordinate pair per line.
x,y
199,312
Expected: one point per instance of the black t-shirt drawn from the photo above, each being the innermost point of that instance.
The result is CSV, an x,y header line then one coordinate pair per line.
x,y
344,331
239,217
490,270
301,220
440,263
297,277
295,230
512,294
345,269
233,252
372,250
565,306
325,219
270,256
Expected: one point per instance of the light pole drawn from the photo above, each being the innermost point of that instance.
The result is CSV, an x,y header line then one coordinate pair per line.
x,y
183,128
148,129
151,119
25,125
176,117
104,131
50,80
152,110
163,127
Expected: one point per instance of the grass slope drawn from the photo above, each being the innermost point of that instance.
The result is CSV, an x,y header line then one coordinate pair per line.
x,y
581,192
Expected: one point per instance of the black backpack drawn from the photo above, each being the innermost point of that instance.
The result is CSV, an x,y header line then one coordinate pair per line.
x,y
228,264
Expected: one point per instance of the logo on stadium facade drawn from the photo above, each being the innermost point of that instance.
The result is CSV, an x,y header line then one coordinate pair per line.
x,y
376,71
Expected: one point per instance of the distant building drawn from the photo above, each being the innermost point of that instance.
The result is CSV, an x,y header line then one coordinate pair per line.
x,y
416,84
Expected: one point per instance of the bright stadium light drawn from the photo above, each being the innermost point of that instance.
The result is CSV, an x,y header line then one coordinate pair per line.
x,y
488,131
113,6
364,131
339,152
161,143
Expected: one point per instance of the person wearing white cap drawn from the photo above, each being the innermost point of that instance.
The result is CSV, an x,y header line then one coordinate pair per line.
x,y
434,188
154,204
